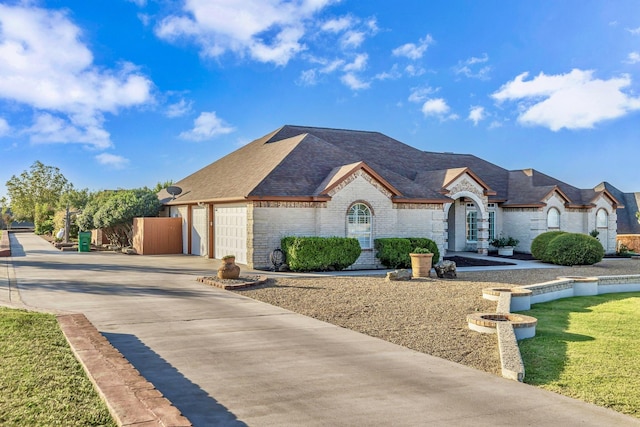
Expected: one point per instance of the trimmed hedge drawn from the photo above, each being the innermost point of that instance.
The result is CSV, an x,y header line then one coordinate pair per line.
x,y
541,243
393,252
320,253
575,249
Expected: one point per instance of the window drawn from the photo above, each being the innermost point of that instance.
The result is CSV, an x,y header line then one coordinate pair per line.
x,y
472,226
553,218
359,224
492,225
602,219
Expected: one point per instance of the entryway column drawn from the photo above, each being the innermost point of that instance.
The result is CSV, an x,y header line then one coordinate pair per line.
x,y
483,236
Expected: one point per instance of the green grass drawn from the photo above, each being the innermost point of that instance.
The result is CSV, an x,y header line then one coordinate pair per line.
x,y
587,348
41,382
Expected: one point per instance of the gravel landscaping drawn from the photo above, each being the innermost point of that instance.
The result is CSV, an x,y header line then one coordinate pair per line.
x,y
427,315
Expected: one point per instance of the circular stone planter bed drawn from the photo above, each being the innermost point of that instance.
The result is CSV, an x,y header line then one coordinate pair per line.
x,y
523,326
231,284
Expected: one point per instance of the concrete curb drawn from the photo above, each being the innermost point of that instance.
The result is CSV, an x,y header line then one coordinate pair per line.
x,y
132,400
5,244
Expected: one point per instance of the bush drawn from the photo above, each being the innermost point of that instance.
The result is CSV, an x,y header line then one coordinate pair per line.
x,y
575,249
320,253
540,244
393,252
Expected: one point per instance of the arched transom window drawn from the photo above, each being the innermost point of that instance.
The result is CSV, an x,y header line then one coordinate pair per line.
x,y
359,221
602,219
553,218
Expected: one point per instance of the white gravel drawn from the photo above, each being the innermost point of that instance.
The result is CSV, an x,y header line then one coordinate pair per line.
x,y
427,315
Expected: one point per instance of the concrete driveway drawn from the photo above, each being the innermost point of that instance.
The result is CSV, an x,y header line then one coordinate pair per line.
x,y
224,359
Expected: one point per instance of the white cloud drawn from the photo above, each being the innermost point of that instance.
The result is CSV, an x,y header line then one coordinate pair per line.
x,y
437,107
633,58
352,39
266,30
419,94
414,71
354,82
412,50
112,160
337,25
468,67
635,31
44,65
330,67
4,127
308,78
392,74
207,126
476,114
179,109
358,64
139,3
47,128
575,100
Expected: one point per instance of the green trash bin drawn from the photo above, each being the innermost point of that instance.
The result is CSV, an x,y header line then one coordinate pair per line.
x,y
84,241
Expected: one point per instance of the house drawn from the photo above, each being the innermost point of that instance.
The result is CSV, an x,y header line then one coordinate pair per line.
x,y
309,181
628,227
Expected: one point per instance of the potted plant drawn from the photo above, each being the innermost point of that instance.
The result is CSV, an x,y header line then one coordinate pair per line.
x,y
421,259
504,244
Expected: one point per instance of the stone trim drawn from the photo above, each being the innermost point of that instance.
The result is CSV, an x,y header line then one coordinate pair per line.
x,y
283,204
426,206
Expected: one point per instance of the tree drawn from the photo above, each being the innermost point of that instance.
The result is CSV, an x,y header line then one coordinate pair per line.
x,y
113,213
40,185
161,186
6,218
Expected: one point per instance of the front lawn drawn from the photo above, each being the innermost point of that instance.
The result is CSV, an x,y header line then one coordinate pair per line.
x,y
41,382
587,348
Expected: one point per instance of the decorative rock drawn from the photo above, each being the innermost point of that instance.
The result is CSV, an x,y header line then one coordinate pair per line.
x,y
229,270
446,270
398,275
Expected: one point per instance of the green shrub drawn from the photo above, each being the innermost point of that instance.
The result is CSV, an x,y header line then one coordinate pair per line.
x,y
423,242
575,249
393,252
320,253
540,244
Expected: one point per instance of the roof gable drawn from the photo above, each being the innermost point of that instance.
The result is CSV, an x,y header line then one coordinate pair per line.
x,y
341,174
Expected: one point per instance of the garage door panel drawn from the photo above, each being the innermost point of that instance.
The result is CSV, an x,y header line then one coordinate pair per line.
x,y
231,232
199,231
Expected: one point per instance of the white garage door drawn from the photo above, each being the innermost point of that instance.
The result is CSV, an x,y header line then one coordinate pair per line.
x,y
199,231
231,232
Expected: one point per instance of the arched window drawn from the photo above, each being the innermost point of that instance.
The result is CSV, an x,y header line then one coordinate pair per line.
x,y
602,219
553,218
359,220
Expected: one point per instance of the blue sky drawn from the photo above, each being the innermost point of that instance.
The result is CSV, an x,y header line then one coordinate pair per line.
x,y
127,93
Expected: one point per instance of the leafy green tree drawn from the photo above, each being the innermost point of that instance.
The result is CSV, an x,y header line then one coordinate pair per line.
x,y
113,212
40,185
6,217
161,186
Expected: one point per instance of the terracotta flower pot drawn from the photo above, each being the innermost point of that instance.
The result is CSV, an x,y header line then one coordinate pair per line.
x,y
421,265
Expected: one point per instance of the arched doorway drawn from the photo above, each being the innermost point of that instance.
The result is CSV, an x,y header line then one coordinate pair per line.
x,y
467,224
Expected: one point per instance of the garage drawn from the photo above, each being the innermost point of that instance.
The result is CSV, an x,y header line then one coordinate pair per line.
x,y
231,232
199,242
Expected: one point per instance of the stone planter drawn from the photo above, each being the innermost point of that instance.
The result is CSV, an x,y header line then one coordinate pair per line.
x,y
228,269
421,264
505,251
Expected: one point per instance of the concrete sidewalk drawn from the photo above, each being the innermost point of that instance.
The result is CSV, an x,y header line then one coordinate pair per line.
x,y
224,359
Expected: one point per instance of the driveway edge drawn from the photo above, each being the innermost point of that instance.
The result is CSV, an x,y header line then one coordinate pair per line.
x,y
131,399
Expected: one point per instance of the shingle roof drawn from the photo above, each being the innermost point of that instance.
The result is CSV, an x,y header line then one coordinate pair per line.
x,y
627,221
298,162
